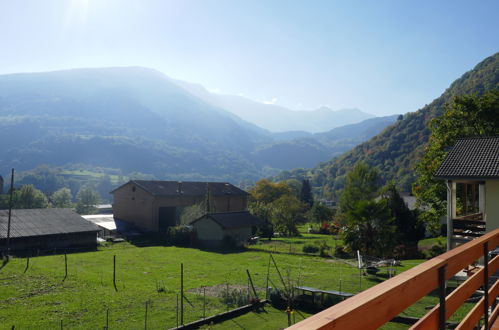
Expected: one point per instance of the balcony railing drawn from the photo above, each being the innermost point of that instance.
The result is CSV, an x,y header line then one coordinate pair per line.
x,y
471,225
378,305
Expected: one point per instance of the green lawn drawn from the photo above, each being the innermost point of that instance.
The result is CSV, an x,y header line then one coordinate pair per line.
x,y
39,299
85,175
269,318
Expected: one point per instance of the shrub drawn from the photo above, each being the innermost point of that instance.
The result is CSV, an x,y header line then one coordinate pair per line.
x,y
310,248
436,250
339,252
323,249
235,297
179,235
276,298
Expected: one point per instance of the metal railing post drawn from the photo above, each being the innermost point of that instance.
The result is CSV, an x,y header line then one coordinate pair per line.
x,y
441,293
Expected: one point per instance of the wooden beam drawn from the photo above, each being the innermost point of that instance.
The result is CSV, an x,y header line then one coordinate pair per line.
x,y
456,298
379,304
472,318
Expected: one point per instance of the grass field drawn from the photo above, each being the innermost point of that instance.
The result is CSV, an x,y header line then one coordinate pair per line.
x,y
38,298
85,175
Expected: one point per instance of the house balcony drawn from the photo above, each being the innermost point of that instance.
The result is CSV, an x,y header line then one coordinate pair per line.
x,y
380,304
467,227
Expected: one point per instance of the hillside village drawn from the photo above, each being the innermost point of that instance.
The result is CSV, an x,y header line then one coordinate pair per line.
x,y
261,165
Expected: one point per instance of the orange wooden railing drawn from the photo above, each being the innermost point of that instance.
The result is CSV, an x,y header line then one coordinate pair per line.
x,y
378,305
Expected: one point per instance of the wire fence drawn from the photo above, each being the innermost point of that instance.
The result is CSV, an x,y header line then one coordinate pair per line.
x,y
113,300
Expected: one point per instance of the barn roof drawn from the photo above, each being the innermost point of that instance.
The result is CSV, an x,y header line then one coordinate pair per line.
x,y
233,219
41,222
186,188
472,158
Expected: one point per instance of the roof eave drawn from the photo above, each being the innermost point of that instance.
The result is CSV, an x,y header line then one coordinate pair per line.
x,y
470,178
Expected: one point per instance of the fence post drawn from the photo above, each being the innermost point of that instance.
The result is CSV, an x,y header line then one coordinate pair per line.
x,y
176,314
267,281
27,265
252,286
114,273
145,318
182,293
204,302
65,267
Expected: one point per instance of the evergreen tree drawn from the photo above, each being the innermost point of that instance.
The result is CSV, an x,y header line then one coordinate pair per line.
x,y
306,194
409,229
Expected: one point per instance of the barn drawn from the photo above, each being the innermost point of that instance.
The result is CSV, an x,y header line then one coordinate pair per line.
x,y
46,229
154,206
213,228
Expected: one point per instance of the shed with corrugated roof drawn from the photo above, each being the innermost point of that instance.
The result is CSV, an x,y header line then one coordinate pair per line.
x,y
46,229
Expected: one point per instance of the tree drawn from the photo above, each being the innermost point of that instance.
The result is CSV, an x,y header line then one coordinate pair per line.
x,y
264,212
320,213
285,212
191,213
62,198
369,228
362,183
266,191
466,116
209,203
277,205
306,194
367,225
409,229
86,201
28,197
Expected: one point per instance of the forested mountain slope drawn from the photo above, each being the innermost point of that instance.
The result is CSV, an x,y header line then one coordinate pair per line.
x,y
397,149
135,119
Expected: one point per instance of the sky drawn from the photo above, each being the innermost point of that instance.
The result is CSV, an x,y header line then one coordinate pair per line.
x,y
383,57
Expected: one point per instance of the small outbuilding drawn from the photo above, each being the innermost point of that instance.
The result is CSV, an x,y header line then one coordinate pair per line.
x,y
471,171
105,222
213,228
46,229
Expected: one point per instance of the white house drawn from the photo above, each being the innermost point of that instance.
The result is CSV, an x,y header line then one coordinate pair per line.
x,y
471,171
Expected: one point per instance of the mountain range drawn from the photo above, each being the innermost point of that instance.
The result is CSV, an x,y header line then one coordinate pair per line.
x,y
139,120
398,148
277,118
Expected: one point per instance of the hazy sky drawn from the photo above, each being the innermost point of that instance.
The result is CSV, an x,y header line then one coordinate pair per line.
x,y
383,57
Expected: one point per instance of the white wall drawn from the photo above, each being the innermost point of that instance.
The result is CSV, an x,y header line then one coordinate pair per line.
x,y
492,204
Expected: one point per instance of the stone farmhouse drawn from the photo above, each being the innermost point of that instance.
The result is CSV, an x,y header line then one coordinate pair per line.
x,y
153,206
